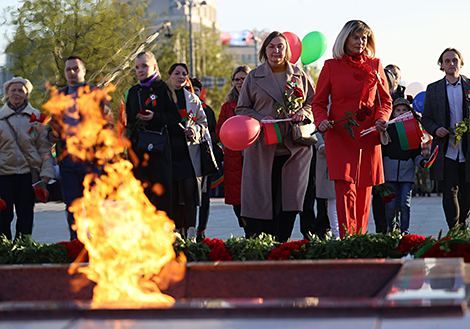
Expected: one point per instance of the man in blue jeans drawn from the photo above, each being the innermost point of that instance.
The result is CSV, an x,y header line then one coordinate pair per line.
x,y
72,169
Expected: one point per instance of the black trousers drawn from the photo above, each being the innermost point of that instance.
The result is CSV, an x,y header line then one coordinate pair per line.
x,y
378,210
455,193
204,209
17,191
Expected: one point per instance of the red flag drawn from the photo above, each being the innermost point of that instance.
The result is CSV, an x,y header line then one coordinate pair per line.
x,y
184,115
272,134
409,133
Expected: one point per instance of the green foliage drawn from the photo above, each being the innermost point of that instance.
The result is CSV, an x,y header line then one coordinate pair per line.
x,y
360,246
47,32
251,249
195,252
26,251
104,33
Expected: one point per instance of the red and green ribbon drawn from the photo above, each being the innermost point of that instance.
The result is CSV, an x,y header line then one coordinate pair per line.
x,y
152,99
272,133
218,182
291,84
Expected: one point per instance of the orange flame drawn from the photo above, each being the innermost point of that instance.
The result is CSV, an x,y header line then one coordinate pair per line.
x,y
129,242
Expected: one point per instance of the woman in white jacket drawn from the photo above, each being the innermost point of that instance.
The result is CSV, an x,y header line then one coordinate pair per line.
x,y
24,148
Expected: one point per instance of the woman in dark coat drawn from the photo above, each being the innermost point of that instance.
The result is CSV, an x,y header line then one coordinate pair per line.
x,y
149,108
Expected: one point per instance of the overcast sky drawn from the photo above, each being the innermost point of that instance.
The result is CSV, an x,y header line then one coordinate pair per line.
x,y
410,34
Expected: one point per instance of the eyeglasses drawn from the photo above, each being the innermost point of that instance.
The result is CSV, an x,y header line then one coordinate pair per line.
x,y
238,80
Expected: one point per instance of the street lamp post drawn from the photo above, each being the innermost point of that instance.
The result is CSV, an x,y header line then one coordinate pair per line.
x,y
256,37
191,4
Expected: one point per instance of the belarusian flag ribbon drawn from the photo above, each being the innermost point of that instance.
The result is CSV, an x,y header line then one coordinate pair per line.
x,y
217,182
272,134
291,84
33,131
152,98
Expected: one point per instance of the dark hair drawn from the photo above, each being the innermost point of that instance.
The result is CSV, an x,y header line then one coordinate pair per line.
x,y
390,79
262,52
392,66
439,61
74,57
233,94
174,66
196,82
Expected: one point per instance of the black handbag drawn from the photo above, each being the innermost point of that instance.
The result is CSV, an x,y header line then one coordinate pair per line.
x,y
208,163
152,141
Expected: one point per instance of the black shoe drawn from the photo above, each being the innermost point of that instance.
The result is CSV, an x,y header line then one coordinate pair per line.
x,y
201,235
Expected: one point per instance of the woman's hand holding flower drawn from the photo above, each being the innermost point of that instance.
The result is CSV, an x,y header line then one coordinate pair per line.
x,y
145,115
324,126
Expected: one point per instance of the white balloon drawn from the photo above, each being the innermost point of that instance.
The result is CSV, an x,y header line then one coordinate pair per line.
x,y
414,89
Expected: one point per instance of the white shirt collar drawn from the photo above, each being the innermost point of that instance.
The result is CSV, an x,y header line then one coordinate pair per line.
x,y
458,83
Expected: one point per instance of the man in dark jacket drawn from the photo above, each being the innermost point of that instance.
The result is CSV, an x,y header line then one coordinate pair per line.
x,y
446,104
72,169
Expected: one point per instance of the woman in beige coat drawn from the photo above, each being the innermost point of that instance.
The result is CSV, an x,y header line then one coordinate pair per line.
x,y
274,178
23,147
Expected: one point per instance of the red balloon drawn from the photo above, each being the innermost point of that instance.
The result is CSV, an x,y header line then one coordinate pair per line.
x,y
295,46
239,132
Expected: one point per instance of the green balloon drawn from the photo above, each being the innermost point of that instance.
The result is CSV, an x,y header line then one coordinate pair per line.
x,y
313,47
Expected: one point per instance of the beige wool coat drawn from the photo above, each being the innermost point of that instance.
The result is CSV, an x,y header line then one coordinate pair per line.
x,y
37,148
257,99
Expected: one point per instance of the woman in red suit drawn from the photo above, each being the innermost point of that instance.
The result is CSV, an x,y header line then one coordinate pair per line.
x,y
233,159
353,81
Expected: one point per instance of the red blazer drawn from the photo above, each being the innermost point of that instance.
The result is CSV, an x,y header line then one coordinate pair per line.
x,y
356,160
232,160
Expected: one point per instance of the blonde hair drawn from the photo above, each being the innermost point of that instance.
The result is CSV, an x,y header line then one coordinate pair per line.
x,y
262,52
353,27
25,82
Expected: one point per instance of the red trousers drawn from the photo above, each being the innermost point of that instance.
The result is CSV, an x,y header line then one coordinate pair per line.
x,y
352,206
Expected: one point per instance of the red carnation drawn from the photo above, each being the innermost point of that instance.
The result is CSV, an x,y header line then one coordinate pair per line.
x,y
409,242
392,196
284,251
42,117
3,204
74,248
143,112
298,92
387,199
218,250
361,115
41,192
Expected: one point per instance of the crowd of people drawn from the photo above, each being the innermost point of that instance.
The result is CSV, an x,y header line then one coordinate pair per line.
x,y
268,184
